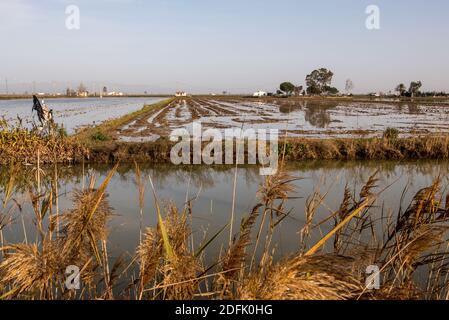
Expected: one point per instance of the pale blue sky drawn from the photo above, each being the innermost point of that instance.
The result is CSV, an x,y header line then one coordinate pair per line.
x,y
211,46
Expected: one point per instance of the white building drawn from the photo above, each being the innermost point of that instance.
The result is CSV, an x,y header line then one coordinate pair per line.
x,y
260,94
181,94
115,94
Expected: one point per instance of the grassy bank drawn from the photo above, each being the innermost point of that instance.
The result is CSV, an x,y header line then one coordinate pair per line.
x,y
385,148
96,145
413,148
20,145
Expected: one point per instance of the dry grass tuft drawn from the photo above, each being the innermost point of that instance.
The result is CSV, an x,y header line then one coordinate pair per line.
x,y
82,231
30,270
20,145
175,276
320,277
236,255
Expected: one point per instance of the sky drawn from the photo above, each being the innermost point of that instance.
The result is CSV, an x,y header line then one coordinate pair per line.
x,y
210,46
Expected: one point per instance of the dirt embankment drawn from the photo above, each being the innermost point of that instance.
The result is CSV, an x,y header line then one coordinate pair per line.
x,y
294,150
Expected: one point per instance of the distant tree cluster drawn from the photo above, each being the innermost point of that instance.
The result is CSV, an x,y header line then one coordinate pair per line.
x,y
81,90
287,88
413,90
319,82
71,93
434,94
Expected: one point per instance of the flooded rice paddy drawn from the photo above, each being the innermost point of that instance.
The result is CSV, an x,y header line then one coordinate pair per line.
x,y
74,113
296,118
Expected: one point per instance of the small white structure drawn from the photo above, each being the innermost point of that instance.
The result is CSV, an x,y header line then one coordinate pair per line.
x,y
181,94
260,94
115,94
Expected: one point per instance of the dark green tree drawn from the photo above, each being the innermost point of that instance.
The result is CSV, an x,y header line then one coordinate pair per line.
x,y
318,80
415,86
330,90
401,89
287,88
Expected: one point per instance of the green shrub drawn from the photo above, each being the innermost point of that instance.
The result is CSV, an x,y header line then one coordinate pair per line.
x,y
391,134
62,132
99,136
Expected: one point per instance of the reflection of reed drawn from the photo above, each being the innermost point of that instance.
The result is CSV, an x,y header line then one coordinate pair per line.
x,y
205,176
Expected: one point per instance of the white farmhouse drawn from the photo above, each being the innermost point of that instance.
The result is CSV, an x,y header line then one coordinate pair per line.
x,y
260,94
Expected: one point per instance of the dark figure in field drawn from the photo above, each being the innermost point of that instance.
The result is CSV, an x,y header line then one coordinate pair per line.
x,y
44,115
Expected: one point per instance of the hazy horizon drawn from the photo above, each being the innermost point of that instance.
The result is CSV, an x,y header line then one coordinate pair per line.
x,y
213,46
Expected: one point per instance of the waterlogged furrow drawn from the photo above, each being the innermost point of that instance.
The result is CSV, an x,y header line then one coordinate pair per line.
x,y
296,119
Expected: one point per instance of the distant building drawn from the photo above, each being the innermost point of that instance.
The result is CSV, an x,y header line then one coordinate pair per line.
x,y
82,91
181,94
115,94
260,94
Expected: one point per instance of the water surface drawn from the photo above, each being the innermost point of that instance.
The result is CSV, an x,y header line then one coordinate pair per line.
x,y
295,118
212,187
74,113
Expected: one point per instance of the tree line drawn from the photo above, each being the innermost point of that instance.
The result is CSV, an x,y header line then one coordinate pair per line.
x,y
319,82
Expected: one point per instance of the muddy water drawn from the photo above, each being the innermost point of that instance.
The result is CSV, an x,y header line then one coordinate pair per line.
x,y
213,189
75,113
316,119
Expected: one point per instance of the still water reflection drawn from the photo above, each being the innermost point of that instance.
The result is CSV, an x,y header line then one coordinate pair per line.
x,y
213,189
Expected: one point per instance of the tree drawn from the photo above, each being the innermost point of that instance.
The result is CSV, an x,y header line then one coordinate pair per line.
x,y
81,88
105,90
330,90
401,89
313,90
287,87
298,90
70,93
318,80
415,86
349,86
